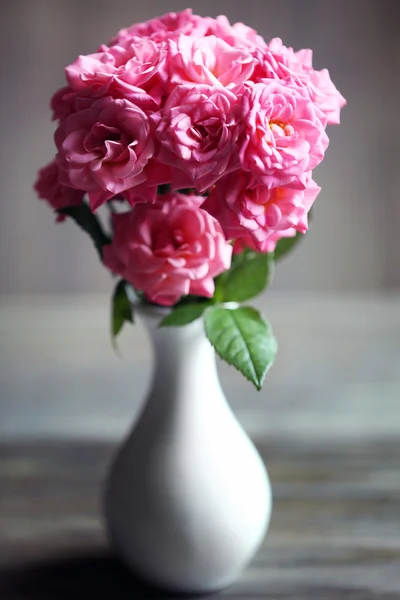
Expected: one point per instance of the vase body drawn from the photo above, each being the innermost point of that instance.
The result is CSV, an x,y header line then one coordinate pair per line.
x,y
188,499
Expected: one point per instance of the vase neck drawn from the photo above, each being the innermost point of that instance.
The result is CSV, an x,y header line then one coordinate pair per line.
x,y
183,358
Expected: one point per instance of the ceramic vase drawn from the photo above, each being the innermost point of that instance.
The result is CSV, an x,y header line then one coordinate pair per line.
x,y
188,499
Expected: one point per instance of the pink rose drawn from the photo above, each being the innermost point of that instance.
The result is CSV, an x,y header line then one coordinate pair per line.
x,y
197,131
156,174
166,27
280,62
284,135
259,217
63,103
269,245
237,35
57,195
168,249
208,60
66,101
324,93
104,149
124,70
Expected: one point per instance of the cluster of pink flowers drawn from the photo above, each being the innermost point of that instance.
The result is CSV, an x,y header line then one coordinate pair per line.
x,y
200,104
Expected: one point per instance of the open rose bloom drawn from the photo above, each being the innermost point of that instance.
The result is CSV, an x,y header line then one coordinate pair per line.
x,y
200,138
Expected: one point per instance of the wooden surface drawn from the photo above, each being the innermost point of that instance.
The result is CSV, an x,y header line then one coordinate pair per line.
x,y
327,423
335,531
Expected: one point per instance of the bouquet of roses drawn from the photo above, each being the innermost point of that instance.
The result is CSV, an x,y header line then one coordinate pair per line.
x,y
200,139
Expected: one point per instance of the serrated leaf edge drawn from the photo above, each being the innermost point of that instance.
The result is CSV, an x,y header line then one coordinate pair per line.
x,y
257,382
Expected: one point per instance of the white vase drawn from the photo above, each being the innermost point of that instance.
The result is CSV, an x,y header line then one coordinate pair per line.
x,y
188,499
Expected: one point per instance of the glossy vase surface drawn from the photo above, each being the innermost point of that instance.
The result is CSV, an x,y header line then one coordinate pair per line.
x,y
188,499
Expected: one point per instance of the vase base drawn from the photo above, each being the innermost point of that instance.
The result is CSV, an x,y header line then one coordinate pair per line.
x,y
165,590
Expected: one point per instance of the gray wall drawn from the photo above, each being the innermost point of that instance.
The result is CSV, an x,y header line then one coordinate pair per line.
x,y
353,244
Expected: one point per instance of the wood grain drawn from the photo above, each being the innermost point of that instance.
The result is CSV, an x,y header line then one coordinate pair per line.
x,y
335,531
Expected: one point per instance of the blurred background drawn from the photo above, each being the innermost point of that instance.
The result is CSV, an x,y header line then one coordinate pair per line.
x,y
334,303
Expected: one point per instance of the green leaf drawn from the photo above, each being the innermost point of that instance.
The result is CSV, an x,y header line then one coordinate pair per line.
x,y
186,191
286,245
164,188
83,216
186,313
244,339
121,309
249,275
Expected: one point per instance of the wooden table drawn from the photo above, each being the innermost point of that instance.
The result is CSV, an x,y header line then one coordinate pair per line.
x,y
335,532
327,424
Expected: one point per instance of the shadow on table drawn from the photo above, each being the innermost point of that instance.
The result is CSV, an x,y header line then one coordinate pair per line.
x,y
83,577
102,577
